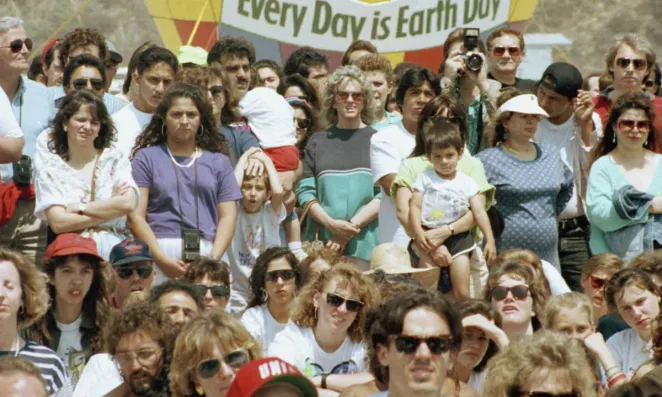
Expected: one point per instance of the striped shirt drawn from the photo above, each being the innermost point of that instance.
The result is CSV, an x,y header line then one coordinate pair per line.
x,y
51,367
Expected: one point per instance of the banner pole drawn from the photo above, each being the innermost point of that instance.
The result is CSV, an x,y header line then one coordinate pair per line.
x,y
197,23
60,28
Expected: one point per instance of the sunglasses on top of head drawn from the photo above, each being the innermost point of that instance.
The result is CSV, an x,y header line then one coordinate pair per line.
x,y
17,45
337,301
236,359
520,292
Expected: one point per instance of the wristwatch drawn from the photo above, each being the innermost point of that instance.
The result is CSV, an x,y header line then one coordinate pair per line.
x,y
81,208
451,228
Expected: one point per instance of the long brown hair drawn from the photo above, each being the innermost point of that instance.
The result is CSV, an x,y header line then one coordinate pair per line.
x,y
432,110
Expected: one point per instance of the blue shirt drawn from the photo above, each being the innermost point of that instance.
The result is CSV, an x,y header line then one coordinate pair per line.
x,y
391,119
113,104
33,112
240,139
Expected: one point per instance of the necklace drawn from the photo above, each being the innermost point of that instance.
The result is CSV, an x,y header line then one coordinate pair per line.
x,y
195,156
516,152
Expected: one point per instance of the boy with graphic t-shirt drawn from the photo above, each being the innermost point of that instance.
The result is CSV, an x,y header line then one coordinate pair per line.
x,y
259,214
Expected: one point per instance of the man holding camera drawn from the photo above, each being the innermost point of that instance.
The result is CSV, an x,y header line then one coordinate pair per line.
x,y
505,51
464,74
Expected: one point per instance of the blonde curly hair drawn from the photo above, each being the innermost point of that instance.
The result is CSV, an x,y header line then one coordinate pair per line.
x,y
197,341
341,76
33,287
304,312
520,363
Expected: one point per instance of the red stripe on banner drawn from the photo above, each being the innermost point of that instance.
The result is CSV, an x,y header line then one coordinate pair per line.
x,y
429,58
205,37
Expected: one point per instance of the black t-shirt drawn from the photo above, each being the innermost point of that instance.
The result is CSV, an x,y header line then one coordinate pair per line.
x,y
524,85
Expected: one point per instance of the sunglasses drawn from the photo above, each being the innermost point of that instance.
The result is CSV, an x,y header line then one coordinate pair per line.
x,y
17,45
144,270
409,344
217,291
235,360
544,394
597,282
79,84
286,274
216,90
650,84
337,301
303,123
343,96
501,51
624,63
519,292
628,125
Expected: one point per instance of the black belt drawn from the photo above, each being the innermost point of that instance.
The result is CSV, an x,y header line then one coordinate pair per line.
x,y
574,223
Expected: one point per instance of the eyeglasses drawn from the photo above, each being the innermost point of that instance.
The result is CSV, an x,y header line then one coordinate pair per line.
x,y
544,394
501,51
597,282
409,344
144,357
144,270
286,274
17,45
337,301
343,96
624,63
519,292
216,90
302,123
209,368
217,291
628,125
79,84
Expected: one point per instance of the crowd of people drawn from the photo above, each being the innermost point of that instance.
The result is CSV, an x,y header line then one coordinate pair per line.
x,y
227,226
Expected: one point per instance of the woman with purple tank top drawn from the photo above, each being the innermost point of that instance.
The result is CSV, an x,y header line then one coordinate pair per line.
x,y
187,187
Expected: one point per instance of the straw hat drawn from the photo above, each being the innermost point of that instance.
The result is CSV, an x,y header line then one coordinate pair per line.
x,y
394,259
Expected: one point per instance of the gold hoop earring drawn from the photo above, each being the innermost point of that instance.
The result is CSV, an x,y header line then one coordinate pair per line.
x,y
199,390
201,131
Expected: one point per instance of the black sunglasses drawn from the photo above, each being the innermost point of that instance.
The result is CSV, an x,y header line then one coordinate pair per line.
x,y
286,274
337,301
303,123
519,292
216,90
235,360
217,291
17,45
544,394
79,84
409,344
144,270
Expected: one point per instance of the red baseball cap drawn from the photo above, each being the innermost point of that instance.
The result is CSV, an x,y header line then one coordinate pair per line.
x,y
254,375
48,46
72,244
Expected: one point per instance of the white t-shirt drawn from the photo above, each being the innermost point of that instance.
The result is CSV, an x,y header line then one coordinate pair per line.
x,y
9,127
476,379
299,347
270,117
444,200
129,123
262,325
567,138
69,347
629,350
388,149
253,234
99,377
557,284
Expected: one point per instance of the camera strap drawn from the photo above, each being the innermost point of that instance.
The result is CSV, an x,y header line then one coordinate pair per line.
x,y
175,165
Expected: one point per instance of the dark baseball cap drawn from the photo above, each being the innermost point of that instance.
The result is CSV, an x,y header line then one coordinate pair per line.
x,y
128,251
565,79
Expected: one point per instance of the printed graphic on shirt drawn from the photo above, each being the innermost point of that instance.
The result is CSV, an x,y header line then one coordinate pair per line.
x,y
75,362
313,369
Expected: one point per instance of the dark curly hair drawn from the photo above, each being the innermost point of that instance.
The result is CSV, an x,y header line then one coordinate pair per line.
x,y
624,103
58,141
431,111
256,279
301,60
149,319
235,46
217,270
470,307
209,139
169,286
297,80
96,304
81,37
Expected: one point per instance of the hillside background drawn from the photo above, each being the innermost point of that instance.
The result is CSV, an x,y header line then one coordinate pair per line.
x,y
590,24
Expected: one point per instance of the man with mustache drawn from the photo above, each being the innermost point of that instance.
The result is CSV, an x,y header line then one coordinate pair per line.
x,y
416,338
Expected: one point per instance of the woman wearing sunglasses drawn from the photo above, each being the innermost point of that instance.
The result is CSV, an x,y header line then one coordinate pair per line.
x,y
324,337
335,159
547,365
546,274
274,281
305,120
624,193
633,295
79,291
87,187
514,292
211,280
208,352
